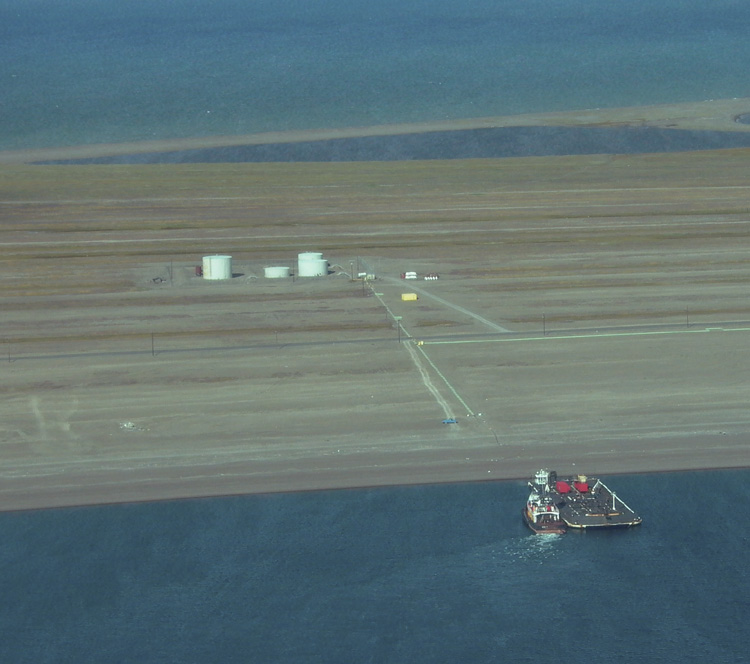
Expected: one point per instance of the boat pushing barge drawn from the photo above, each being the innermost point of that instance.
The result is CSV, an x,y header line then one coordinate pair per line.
x,y
541,514
580,502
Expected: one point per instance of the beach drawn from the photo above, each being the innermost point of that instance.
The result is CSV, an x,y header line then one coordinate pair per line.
x,y
705,116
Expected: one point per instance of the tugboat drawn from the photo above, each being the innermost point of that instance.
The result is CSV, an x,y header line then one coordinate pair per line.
x,y
541,514
585,502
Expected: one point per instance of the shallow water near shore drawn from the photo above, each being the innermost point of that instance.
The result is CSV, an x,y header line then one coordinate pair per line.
x,y
417,574
83,72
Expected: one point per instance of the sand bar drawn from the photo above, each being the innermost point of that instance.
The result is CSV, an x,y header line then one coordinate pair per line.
x,y
710,115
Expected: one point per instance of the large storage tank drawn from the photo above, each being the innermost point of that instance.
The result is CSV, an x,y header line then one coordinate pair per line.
x,y
217,267
311,264
276,272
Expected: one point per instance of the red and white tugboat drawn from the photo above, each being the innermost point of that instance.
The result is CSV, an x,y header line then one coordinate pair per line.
x,y
541,514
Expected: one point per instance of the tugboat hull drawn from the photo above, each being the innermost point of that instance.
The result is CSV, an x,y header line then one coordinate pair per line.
x,y
541,514
544,528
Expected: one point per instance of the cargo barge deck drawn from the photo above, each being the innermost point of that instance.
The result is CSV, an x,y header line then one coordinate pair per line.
x,y
584,502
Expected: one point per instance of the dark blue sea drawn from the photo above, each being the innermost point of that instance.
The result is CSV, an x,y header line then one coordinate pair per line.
x,y
413,574
87,71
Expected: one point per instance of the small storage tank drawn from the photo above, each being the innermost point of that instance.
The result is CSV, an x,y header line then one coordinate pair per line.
x,y
277,272
217,267
311,264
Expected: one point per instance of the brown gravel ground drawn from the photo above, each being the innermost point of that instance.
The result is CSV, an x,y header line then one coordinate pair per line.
x,y
592,315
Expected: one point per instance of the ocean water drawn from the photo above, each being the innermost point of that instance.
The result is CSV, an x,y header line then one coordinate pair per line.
x,y
86,71
411,574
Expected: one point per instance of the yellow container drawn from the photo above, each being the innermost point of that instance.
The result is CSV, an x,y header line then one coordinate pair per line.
x,y
408,297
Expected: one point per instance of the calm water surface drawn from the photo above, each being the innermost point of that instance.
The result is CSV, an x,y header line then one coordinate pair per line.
x,y
84,71
414,574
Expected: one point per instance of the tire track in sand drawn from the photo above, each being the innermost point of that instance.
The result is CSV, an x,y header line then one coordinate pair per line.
x,y
414,353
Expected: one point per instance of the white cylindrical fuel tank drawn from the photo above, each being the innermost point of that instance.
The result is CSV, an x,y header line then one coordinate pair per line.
x,y
276,272
310,255
217,267
311,264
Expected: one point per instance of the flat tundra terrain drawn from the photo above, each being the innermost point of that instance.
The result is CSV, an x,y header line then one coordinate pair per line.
x,y
591,315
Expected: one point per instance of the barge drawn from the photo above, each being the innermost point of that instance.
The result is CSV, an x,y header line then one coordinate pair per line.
x,y
583,502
